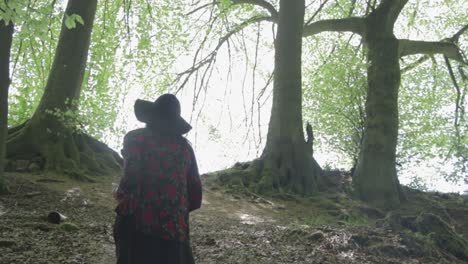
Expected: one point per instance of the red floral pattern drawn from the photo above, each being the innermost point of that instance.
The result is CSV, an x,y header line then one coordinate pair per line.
x,y
160,185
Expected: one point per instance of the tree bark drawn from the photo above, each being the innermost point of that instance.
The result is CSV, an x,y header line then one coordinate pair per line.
x,y
375,178
287,157
66,75
6,38
47,135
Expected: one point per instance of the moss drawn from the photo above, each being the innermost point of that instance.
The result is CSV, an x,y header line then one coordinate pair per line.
x,y
265,184
89,160
69,227
442,234
456,245
63,151
324,203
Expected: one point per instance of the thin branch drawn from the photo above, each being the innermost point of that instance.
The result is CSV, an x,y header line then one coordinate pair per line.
x,y
322,4
262,91
457,35
415,64
18,54
261,3
457,89
200,8
212,55
352,8
370,6
254,77
352,24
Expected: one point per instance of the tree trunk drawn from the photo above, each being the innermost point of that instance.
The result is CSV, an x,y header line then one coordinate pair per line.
x,y
287,157
51,133
375,178
66,76
6,37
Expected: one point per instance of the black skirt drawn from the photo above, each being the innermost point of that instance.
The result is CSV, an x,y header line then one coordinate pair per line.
x,y
133,247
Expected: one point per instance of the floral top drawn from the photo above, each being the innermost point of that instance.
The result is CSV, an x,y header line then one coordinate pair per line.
x,y
160,185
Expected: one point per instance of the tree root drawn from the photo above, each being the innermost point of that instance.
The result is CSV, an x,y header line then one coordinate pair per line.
x,y
74,154
269,175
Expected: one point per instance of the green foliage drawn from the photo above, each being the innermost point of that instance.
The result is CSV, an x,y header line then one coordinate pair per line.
x,y
37,29
334,95
224,4
6,13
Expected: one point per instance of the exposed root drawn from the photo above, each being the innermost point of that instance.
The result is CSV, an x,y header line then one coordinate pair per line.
x,y
77,155
271,175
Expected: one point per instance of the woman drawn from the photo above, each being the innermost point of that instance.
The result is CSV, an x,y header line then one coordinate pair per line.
x,y
159,188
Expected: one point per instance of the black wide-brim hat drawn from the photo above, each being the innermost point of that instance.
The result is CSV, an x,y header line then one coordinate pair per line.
x,y
163,114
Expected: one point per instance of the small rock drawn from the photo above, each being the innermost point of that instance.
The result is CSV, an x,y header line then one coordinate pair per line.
x,y
34,167
86,203
316,236
32,194
279,207
56,217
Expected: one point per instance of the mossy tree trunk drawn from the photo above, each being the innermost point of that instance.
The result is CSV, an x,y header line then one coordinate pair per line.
x,y
287,160
52,137
375,178
6,37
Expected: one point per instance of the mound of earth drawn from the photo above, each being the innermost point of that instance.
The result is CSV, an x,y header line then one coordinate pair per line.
x,y
233,226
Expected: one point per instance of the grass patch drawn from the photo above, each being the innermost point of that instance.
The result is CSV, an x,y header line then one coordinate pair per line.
x,y
356,219
319,220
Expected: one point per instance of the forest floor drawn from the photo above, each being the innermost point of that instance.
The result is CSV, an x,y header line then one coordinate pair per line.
x,y
231,227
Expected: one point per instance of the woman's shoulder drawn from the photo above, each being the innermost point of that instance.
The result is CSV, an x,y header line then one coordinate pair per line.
x,y
183,141
187,146
136,135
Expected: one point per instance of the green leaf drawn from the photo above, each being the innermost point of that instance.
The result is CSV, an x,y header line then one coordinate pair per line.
x,y
70,22
78,19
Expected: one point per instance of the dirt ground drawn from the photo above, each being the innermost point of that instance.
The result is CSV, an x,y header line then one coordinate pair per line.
x,y
230,228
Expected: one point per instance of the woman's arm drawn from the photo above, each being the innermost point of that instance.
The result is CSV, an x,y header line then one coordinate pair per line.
x,y
194,184
132,169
